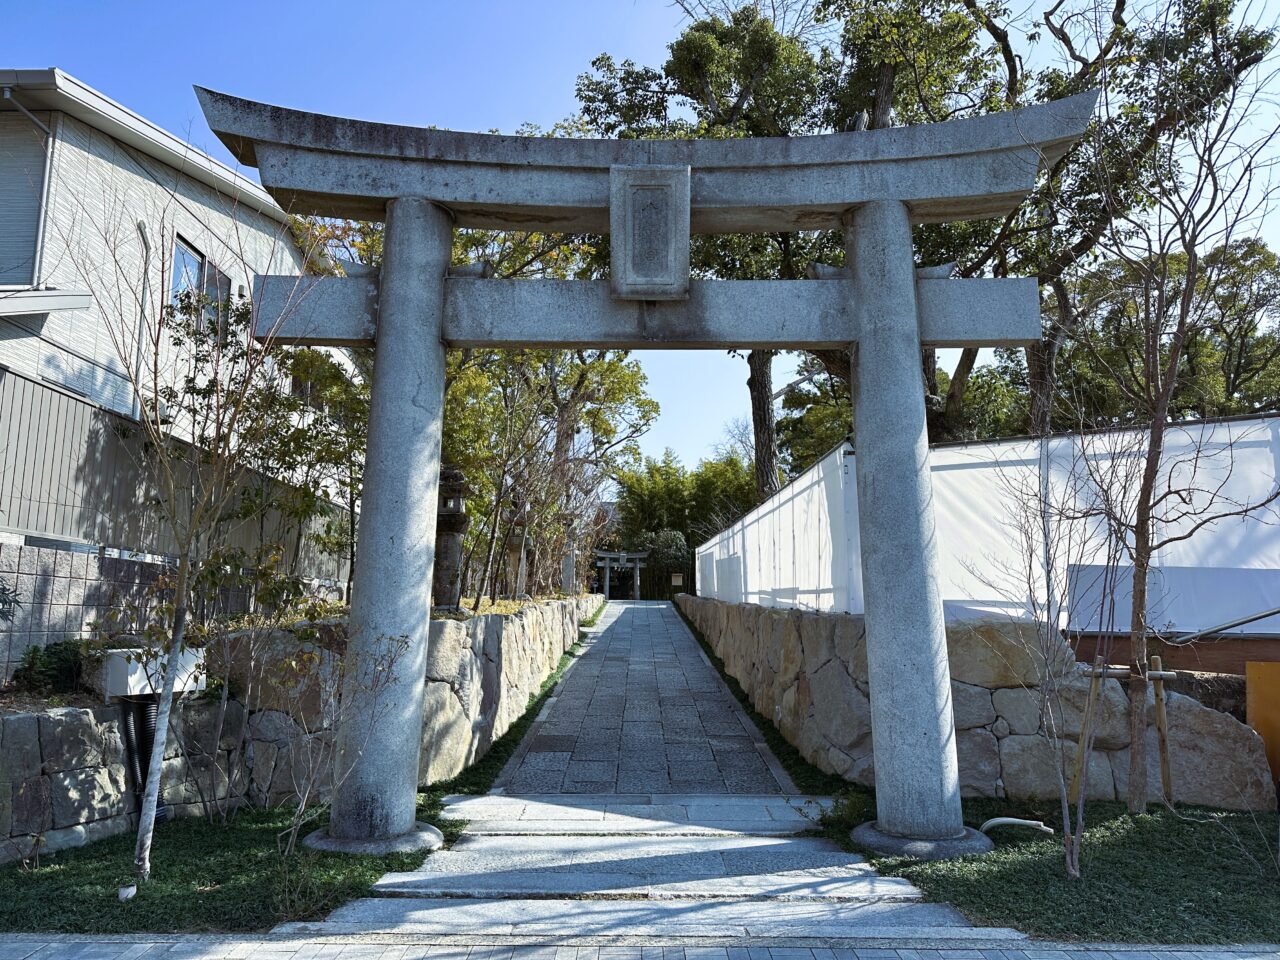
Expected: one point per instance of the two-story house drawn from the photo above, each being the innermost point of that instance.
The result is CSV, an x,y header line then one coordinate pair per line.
x,y
102,216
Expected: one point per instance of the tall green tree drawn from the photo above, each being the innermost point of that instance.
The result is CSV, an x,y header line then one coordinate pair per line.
x,y
736,72
817,413
733,77
662,494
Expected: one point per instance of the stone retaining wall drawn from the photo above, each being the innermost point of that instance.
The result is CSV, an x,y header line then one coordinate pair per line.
x,y
1018,708
481,673
63,772
64,779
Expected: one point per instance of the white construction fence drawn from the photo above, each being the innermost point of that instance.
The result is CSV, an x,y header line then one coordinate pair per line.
x,y
1022,529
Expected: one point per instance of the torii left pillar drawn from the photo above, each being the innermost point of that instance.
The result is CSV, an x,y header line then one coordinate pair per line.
x,y
375,775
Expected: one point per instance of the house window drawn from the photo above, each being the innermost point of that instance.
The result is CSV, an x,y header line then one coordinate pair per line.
x,y
193,273
188,270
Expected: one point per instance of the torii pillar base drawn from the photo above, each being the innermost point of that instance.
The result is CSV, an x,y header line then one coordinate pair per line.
x,y
870,836
422,837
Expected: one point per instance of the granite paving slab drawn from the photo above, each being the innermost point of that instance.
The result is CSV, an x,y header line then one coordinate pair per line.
x,y
925,943
642,707
647,866
630,813
539,882
704,917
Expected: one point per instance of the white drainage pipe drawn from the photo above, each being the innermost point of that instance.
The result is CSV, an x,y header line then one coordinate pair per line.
x,y
1015,822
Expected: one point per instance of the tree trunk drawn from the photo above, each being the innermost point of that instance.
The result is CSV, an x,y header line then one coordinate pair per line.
x,y
155,767
352,505
959,382
1041,375
1137,795
930,365
882,105
1142,532
493,535
566,427
760,386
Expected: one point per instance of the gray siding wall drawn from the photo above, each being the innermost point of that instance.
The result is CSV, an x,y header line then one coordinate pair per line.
x,y
77,535
22,155
100,192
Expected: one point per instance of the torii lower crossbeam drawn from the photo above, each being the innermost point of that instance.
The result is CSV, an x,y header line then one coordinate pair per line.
x,y
751,314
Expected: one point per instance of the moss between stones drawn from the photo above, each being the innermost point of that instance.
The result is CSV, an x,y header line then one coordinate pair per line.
x,y
592,620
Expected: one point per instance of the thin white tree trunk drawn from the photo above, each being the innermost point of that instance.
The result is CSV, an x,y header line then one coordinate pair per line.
x,y
155,767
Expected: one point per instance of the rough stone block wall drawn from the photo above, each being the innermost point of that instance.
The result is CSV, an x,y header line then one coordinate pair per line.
x,y
1017,699
481,673
64,780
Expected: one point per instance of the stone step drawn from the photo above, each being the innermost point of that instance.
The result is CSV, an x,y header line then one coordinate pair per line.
x,y
772,887
684,814
652,867
729,850
647,918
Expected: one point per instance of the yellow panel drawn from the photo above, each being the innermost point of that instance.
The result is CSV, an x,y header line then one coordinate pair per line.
x,y
1262,703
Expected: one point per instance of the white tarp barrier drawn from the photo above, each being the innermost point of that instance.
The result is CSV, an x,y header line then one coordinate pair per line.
x,y
800,548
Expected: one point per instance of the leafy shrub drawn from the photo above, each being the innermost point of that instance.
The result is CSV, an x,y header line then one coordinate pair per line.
x,y
57,668
8,601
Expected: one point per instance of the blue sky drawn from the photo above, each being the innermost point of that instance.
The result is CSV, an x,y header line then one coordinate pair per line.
x,y
480,65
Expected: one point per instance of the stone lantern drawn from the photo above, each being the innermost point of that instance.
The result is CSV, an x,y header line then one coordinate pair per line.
x,y
517,554
452,521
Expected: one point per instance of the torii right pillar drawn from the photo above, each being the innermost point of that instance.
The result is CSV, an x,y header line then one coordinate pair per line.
x,y
913,729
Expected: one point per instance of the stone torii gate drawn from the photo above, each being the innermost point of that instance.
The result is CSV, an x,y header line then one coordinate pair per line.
x,y
612,560
649,195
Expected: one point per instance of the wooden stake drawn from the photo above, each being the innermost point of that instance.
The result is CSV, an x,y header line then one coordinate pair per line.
x,y
1077,777
1157,676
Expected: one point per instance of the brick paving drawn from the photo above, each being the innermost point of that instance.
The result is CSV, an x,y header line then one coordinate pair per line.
x,y
642,711
244,948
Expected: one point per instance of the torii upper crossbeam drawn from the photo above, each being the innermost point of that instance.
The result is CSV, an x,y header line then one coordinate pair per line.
x,y
650,195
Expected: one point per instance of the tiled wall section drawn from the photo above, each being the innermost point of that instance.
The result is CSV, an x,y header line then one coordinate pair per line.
x,y
61,591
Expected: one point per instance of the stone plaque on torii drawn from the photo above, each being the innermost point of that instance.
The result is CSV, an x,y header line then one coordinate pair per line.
x,y
650,195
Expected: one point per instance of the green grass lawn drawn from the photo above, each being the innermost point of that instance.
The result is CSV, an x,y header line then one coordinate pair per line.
x,y
1187,876
225,877
205,876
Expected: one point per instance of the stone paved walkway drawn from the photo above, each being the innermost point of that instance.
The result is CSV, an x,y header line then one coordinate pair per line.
x,y
643,807
642,711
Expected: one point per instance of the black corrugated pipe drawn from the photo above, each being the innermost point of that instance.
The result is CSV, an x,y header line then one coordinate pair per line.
x,y
129,721
140,715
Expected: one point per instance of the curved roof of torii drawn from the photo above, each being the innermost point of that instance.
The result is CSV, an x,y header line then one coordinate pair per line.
x,y
961,169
